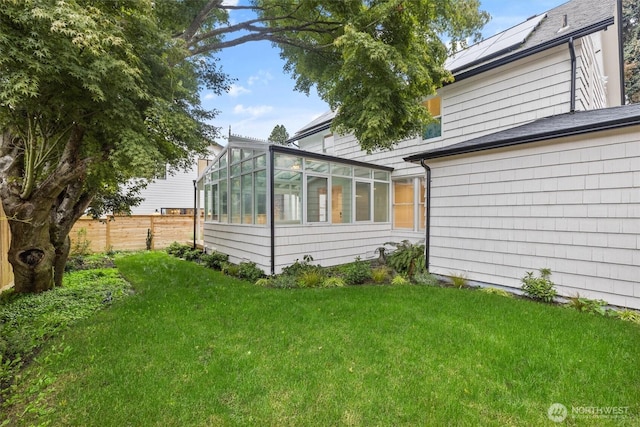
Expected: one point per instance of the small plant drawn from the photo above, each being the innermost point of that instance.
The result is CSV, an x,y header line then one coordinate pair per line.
x,y
214,260
356,272
496,291
80,245
380,275
333,282
399,281
193,254
596,306
426,278
628,315
407,259
284,281
249,271
311,279
149,240
264,282
230,269
539,288
297,268
178,249
459,281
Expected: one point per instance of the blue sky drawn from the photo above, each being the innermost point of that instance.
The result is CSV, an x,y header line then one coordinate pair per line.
x,y
263,95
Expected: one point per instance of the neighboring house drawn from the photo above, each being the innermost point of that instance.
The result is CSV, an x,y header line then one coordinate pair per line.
x,y
172,192
532,162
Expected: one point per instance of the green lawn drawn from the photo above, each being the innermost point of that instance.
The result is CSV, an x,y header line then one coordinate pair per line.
x,y
195,348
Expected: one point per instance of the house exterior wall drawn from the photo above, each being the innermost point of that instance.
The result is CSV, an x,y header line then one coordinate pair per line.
x,y
571,205
240,242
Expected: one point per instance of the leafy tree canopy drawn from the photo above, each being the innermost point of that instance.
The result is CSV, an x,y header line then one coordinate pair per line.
x,y
279,135
631,41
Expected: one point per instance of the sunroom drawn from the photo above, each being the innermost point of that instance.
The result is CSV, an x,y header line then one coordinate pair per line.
x,y
272,205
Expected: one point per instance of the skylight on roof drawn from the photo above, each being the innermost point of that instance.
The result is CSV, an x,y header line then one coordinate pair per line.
x,y
494,46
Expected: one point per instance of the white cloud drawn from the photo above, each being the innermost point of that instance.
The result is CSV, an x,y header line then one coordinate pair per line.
x,y
262,77
230,2
209,95
237,90
253,111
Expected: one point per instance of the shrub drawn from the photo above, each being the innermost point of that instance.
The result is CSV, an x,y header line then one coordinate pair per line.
x,y
264,282
297,268
230,269
596,306
407,259
311,279
628,315
248,271
399,280
458,281
178,249
333,282
214,260
80,245
380,275
284,281
539,288
426,278
356,272
496,291
193,255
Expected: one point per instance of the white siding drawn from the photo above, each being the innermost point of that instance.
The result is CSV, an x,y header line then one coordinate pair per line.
x,y
240,242
176,191
572,205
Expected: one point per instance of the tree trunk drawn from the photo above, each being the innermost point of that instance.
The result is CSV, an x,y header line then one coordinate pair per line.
x,y
31,253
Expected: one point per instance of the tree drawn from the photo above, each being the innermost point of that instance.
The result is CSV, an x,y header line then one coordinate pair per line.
x,y
631,43
95,93
279,135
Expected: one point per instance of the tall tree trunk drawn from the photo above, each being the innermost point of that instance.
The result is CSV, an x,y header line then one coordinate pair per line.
x,y
31,253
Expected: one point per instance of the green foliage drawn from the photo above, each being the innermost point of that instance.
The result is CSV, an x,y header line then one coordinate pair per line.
x,y
311,279
399,281
298,267
279,135
596,306
27,321
356,273
90,262
539,288
407,258
264,282
284,281
81,245
380,275
426,278
178,250
214,260
496,291
458,281
333,282
628,315
631,43
230,269
249,271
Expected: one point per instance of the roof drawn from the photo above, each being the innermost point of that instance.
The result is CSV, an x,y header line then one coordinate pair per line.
x,y
569,124
540,32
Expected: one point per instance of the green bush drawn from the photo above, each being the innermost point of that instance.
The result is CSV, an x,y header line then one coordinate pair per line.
x,y
596,306
539,288
628,315
407,259
249,271
426,278
357,272
230,269
177,249
298,267
333,282
284,281
459,281
496,291
214,260
311,279
399,281
380,275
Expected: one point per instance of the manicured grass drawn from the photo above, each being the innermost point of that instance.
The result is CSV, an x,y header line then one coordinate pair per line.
x,y
193,347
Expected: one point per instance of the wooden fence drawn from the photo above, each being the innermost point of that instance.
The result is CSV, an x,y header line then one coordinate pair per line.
x,y
119,233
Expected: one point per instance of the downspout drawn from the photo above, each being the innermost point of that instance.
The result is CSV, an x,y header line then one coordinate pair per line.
x,y
272,219
572,51
428,214
195,211
623,98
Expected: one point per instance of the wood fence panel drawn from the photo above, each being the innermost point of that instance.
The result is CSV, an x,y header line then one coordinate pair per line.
x,y
169,229
6,271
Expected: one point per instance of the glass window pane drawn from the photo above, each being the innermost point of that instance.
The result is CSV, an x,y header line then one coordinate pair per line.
x,y
381,175
261,161
283,161
338,169
362,172
403,208
235,170
223,161
316,166
224,201
423,193
214,175
223,173
215,209
247,153
341,200
287,198
433,105
317,199
207,206
433,129
235,155
380,202
247,199
247,166
235,205
363,201
260,189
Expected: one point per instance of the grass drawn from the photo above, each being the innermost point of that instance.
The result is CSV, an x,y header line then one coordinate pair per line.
x,y
193,347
